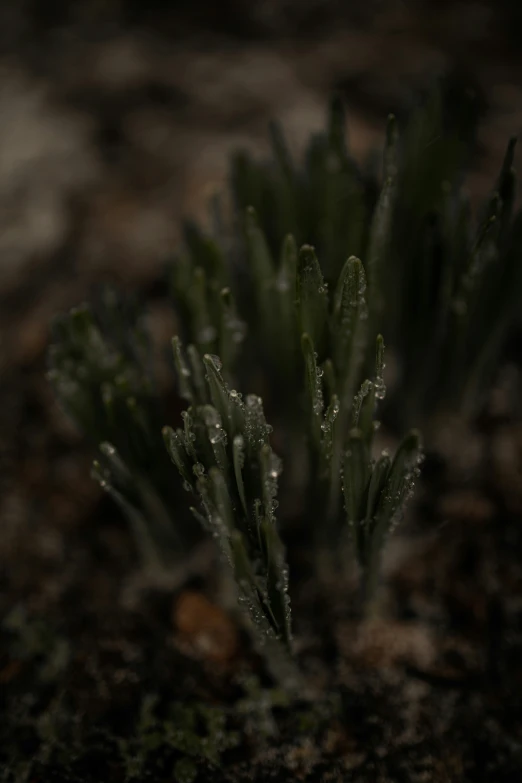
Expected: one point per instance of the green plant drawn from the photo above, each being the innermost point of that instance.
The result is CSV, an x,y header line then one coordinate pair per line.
x,y
444,284
257,313
100,368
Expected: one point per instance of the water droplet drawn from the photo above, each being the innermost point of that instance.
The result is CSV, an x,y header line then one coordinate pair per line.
x,y
380,389
215,360
276,465
282,285
207,334
238,329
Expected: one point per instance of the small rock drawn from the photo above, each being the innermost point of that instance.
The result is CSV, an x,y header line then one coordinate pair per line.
x,y
205,627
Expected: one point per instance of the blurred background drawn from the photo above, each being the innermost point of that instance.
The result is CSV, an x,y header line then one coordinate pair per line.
x,y
117,118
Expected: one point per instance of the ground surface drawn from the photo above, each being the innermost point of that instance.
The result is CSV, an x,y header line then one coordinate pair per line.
x,y
115,123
